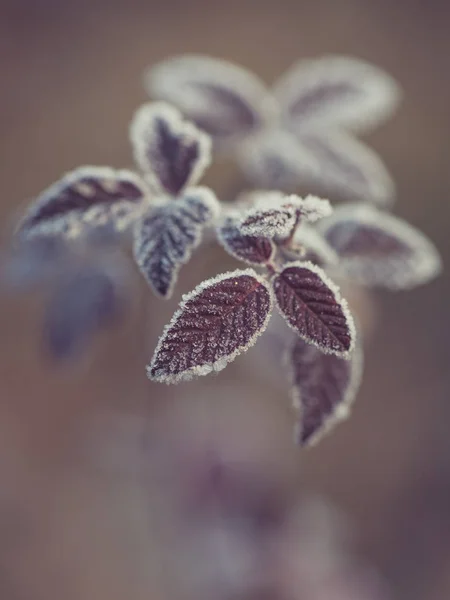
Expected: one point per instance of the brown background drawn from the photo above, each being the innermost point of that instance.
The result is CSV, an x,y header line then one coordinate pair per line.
x,y
71,78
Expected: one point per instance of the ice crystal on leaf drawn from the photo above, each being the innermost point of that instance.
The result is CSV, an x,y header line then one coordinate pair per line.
x,y
253,250
323,388
220,319
171,151
276,215
223,99
168,214
313,307
165,238
379,249
294,134
85,197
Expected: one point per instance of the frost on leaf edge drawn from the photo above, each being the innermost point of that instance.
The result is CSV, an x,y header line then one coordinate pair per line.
x,y
211,201
386,93
339,299
431,262
79,221
222,362
342,412
142,124
234,215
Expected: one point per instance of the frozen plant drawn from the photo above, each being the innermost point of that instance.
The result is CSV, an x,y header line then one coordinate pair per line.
x,y
301,132
296,248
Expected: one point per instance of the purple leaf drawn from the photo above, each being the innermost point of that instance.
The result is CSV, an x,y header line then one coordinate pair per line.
x,y
165,238
220,319
171,151
84,302
276,214
323,388
379,249
337,91
84,198
250,249
313,307
34,260
275,160
340,164
221,98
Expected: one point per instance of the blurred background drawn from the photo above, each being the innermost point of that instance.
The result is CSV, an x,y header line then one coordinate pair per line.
x,y
97,465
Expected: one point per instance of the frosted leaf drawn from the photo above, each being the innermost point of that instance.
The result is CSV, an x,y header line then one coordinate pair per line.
x,y
312,306
223,99
308,244
172,151
165,238
337,91
271,216
275,160
323,388
378,249
83,303
313,208
86,197
217,321
275,214
343,165
250,249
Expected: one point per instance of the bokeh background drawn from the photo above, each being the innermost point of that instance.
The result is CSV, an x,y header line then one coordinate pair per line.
x,y
75,510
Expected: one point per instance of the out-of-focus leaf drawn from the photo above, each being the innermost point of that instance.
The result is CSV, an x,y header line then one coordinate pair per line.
x,y
337,91
378,249
250,249
33,261
84,302
274,160
171,151
312,306
85,198
165,238
220,319
343,165
223,99
323,388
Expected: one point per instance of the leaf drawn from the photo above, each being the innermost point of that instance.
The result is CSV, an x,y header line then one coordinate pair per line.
x,y
378,249
309,245
275,160
217,321
337,91
171,151
272,215
312,306
323,388
223,99
84,198
85,301
345,166
165,238
250,249
33,261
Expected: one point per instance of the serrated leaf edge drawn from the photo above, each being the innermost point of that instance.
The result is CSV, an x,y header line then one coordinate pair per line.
x,y
339,299
221,363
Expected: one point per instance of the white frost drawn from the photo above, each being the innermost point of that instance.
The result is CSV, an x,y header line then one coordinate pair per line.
x,y
222,362
144,140
418,265
349,92
337,296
